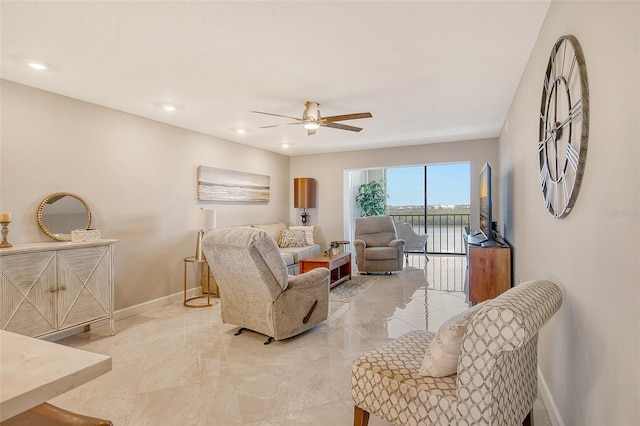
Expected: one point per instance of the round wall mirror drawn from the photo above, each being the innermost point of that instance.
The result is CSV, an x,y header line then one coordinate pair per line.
x,y
62,212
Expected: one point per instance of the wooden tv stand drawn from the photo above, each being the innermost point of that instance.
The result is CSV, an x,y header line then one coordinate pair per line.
x,y
488,271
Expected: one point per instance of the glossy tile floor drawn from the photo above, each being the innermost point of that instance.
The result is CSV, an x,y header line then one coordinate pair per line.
x,y
181,366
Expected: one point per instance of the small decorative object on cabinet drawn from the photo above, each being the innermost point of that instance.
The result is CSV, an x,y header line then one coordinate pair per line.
x,y
489,271
49,287
5,220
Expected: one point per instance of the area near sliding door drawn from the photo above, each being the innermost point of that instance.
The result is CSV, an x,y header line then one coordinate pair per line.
x,y
434,199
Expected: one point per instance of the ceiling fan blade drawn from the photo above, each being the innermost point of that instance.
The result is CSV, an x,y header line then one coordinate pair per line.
x,y
341,126
277,125
277,115
355,116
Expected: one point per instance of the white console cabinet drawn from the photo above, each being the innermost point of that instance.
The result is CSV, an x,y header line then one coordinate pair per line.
x,y
49,287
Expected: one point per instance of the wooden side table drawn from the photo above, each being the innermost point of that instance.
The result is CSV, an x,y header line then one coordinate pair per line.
x,y
339,265
192,260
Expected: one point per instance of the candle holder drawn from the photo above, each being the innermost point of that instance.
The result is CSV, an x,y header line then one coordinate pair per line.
x,y
5,232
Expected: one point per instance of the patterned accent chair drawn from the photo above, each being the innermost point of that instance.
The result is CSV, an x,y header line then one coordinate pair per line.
x,y
255,290
378,248
495,382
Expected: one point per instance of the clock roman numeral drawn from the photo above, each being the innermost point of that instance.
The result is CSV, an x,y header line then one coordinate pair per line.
x,y
573,156
544,174
543,143
574,113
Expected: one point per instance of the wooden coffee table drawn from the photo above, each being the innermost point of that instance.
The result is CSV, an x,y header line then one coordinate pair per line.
x,y
339,265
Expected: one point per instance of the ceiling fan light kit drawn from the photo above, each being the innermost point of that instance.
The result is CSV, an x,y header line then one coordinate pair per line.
x,y
312,120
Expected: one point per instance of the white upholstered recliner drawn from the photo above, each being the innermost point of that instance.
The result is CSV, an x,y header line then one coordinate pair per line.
x,y
378,248
255,291
496,378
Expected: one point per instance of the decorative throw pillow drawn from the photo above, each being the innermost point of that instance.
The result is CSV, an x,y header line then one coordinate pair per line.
x,y
308,233
442,354
291,238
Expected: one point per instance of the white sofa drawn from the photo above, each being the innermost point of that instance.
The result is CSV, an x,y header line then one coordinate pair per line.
x,y
292,255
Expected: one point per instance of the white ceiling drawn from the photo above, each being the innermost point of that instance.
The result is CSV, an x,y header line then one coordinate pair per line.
x,y
428,71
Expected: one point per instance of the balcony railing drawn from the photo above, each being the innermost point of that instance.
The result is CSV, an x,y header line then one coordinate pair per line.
x,y
445,230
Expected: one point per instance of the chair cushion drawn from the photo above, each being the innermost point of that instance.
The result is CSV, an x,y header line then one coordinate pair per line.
x,y
387,383
308,233
291,238
380,253
441,357
289,258
301,252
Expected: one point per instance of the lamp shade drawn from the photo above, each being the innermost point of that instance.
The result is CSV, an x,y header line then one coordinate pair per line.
x,y
304,193
200,219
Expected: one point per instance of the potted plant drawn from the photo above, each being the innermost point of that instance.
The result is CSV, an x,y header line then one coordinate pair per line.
x,y
372,198
334,248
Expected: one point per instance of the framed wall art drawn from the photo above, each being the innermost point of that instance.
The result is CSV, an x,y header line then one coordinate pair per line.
x,y
231,186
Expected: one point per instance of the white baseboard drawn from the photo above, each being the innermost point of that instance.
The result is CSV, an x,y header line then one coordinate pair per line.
x,y
549,403
152,304
126,313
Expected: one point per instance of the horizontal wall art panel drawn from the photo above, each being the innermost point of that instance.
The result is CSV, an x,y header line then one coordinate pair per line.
x,y
231,186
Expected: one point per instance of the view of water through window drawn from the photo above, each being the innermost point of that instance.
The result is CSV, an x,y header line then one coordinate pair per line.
x,y
441,210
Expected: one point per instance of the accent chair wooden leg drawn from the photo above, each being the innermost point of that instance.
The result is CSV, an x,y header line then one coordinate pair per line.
x,y
360,417
528,421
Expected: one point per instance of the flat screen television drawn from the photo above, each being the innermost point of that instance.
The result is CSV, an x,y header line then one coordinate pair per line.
x,y
485,203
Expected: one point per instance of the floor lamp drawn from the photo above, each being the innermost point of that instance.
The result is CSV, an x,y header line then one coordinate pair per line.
x,y
201,220
304,196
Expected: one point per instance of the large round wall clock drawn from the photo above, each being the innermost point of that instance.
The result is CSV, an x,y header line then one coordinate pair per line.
x,y
564,126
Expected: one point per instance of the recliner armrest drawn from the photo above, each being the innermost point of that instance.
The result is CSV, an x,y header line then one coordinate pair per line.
x,y
399,244
309,279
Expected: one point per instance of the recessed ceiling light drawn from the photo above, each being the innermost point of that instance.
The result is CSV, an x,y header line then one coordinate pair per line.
x,y
168,106
284,145
240,130
37,65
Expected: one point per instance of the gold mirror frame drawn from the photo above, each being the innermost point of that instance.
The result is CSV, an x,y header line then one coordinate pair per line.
x,y
52,198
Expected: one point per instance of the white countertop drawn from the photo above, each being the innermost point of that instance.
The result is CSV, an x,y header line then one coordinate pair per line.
x,y
52,245
33,371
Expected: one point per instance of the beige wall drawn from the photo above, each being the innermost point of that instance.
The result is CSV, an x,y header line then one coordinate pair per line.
x,y
328,170
589,351
138,176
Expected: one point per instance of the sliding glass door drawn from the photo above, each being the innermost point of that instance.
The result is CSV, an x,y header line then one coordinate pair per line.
x,y
434,199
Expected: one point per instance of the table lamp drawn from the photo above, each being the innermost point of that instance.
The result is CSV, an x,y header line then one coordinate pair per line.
x,y
304,196
201,220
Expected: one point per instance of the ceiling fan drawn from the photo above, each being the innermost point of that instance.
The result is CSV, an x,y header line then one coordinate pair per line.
x,y
311,119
